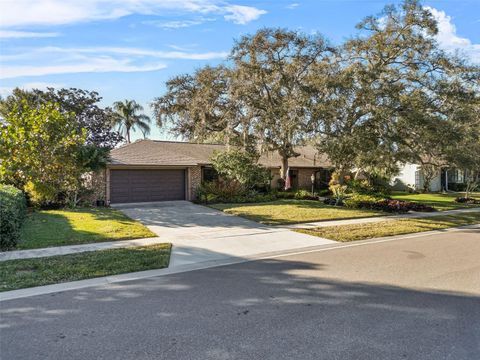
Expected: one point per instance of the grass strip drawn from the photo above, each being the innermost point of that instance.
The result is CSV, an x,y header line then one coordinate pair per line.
x,y
23,273
441,202
353,232
46,228
282,212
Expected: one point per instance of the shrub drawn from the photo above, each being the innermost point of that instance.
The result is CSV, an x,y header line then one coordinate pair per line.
x,y
323,192
457,187
339,193
284,195
41,194
304,195
388,205
253,197
360,187
377,186
358,201
466,200
219,191
12,214
241,166
332,201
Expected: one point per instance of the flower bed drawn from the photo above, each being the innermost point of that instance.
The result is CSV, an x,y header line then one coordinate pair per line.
x,y
372,202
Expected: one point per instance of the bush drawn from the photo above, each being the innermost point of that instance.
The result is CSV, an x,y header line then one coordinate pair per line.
x,y
12,213
465,200
40,194
332,201
323,192
375,187
388,205
358,201
253,197
360,187
219,191
304,195
457,187
284,195
339,193
241,166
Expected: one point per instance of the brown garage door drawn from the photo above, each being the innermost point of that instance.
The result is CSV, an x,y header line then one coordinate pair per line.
x,y
146,185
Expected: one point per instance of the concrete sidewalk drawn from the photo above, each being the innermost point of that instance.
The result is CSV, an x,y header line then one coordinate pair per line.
x,y
414,215
73,249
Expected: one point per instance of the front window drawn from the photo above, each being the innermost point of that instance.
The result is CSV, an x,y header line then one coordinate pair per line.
x,y
322,178
209,174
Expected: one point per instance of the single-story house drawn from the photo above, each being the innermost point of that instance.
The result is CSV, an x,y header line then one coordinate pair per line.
x,y
447,179
151,170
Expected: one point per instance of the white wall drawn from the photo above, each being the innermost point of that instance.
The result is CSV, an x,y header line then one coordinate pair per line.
x,y
407,177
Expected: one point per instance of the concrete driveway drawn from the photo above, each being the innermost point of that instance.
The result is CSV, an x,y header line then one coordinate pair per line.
x,y
201,234
416,298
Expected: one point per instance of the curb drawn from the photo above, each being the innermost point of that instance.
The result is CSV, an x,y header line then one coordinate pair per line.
x,y
108,280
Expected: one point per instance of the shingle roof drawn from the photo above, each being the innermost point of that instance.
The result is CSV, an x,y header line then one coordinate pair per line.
x,y
174,153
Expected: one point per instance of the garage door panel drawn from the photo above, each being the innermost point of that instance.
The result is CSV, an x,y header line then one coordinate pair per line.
x,y
146,185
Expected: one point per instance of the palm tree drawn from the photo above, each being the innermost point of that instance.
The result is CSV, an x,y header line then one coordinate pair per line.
x,y
128,118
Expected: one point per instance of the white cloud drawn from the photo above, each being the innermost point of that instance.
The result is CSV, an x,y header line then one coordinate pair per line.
x,y
177,24
449,40
242,14
79,53
93,65
56,60
293,6
12,34
56,12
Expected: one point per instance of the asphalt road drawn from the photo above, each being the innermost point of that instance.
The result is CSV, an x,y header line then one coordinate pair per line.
x,y
408,299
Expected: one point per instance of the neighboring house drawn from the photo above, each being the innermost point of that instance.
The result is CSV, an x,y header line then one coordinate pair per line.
x,y
150,170
411,176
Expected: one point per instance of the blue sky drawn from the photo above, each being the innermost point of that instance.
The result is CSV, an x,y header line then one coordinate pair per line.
x,y
127,49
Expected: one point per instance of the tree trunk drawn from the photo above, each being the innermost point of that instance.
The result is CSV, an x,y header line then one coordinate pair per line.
x,y
341,176
284,167
427,180
128,135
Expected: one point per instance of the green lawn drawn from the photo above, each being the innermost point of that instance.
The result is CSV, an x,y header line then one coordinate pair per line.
x,y
392,227
440,202
292,211
78,226
17,274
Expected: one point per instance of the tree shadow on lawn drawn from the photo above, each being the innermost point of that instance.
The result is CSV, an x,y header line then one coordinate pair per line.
x,y
54,228
267,309
329,212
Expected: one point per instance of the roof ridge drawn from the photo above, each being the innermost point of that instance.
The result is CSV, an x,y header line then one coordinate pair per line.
x,y
184,142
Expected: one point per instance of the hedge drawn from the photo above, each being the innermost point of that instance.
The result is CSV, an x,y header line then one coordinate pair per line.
x,y
12,213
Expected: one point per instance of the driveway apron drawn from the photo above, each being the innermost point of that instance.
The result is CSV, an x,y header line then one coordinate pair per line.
x,y
201,234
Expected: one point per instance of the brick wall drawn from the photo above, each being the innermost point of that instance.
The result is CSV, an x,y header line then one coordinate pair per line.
x,y
194,180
